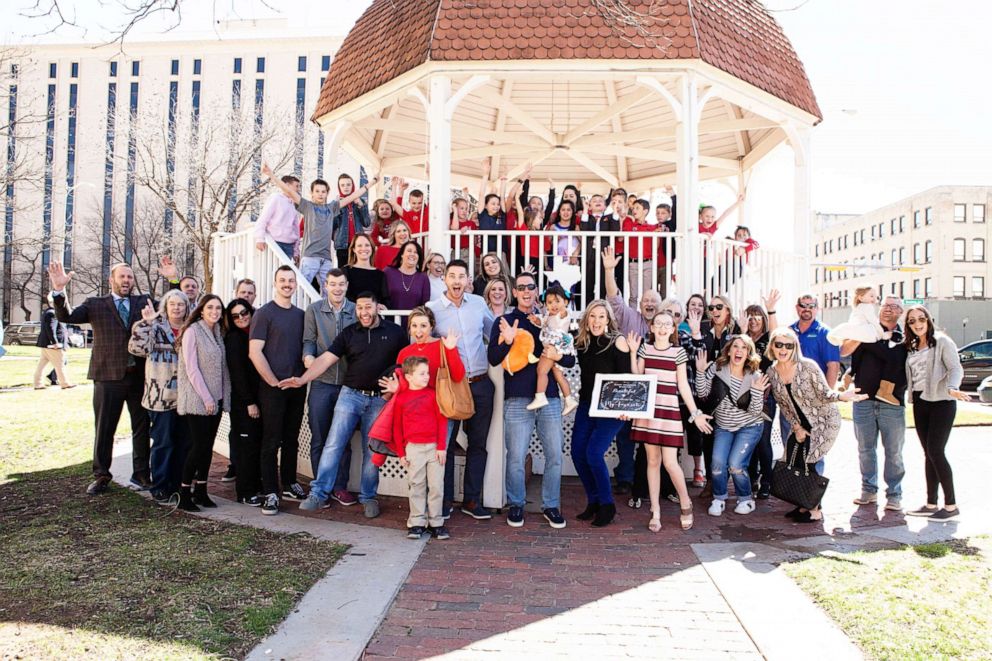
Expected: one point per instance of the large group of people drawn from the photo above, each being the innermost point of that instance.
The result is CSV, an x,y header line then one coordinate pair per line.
x,y
410,388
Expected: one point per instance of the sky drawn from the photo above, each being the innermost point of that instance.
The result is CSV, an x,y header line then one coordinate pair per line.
x,y
903,84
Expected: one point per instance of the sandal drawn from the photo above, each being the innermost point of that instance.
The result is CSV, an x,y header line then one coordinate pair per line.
x,y
654,525
685,517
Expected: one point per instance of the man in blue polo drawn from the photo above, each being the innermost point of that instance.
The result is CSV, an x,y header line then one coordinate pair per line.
x,y
813,339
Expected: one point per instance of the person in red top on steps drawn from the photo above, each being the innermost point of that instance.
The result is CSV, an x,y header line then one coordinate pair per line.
x,y
640,251
418,215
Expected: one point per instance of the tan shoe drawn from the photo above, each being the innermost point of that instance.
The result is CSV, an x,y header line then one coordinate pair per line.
x,y
885,393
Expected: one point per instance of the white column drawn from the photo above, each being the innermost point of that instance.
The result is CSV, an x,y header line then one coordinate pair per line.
x,y
439,160
332,163
801,201
690,258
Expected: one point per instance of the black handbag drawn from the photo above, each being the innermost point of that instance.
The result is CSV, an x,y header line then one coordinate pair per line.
x,y
795,481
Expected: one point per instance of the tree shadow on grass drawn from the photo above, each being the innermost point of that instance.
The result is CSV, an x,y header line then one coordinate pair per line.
x,y
120,565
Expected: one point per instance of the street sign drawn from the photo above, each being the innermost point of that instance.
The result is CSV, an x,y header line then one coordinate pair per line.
x,y
913,301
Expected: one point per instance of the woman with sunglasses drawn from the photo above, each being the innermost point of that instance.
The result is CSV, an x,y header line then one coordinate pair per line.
x,y
807,402
933,381
735,389
759,322
245,417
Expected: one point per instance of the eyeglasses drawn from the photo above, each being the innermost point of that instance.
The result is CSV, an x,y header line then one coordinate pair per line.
x,y
918,320
892,306
807,306
784,345
717,307
530,287
244,314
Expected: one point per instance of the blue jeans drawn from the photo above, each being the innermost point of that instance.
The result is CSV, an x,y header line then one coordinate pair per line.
x,y
519,424
287,248
732,453
352,410
624,472
476,454
321,400
316,267
591,438
170,443
871,419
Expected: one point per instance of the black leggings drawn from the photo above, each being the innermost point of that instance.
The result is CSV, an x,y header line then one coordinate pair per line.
x,y
246,436
933,425
202,431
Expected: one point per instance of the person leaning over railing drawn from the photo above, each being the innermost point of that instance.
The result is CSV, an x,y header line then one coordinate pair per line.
x,y
933,377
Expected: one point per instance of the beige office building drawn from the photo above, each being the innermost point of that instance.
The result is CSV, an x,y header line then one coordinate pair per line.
x,y
78,147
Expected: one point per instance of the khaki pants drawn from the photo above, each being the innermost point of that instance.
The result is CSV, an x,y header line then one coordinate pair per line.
x,y
426,477
57,358
639,278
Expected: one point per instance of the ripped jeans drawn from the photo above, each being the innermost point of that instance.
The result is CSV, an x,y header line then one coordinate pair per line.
x,y
732,453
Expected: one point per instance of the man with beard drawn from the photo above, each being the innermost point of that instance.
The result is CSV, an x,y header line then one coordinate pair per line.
x,y
813,339
118,377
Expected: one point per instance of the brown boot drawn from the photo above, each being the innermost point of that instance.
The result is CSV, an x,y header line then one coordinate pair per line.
x,y
847,380
884,393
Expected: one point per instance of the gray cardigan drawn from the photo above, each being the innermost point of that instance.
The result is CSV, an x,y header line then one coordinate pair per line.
x,y
944,372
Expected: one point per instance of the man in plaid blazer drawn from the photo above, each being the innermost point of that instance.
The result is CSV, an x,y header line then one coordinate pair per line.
x,y
118,377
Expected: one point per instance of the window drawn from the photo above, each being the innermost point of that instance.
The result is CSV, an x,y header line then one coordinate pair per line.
x,y
74,70
260,65
136,68
960,213
928,251
978,213
301,63
13,71
928,287
113,69
917,253
959,250
174,68
881,230
816,276
831,245
959,286
873,232
237,65
895,257
902,256
977,286
855,238
816,250
978,250
893,225
928,213
892,289
53,70
916,289
902,292
196,67
862,237
325,63
902,224
916,219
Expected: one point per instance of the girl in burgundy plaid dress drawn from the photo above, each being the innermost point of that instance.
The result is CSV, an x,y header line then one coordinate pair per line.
x,y
662,435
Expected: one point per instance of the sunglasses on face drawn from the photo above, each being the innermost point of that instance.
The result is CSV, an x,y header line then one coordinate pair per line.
x,y
244,314
918,320
717,307
807,306
530,287
784,345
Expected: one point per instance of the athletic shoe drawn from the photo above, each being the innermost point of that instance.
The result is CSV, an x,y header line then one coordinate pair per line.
x,y
371,509
251,501
515,517
229,476
446,512
866,498
162,498
440,533
476,511
893,505
415,532
140,483
744,506
673,498
311,504
717,507
923,511
344,497
271,505
554,517
294,492
942,514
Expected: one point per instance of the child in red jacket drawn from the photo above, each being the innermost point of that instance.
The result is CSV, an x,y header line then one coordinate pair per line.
x,y
420,434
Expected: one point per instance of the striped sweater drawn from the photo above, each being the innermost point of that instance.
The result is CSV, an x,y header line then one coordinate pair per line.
x,y
726,414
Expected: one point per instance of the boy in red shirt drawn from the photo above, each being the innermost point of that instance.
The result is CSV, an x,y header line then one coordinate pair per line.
x,y
420,433
418,215
640,251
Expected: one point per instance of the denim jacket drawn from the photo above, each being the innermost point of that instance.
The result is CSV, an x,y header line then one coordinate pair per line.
x,y
362,224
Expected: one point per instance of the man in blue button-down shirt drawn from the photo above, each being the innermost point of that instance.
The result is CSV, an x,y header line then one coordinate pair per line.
x,y
470,318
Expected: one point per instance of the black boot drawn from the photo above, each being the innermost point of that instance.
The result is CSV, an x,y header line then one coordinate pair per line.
x,y
604,515
200,496
186,500
589,512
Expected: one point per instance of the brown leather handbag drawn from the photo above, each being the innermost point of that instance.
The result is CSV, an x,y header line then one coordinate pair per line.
x,y
454,398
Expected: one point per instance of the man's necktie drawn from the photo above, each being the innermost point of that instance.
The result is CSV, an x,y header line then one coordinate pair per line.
x,y
122,310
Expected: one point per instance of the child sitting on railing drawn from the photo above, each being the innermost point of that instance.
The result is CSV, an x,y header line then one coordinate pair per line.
x,y
554,327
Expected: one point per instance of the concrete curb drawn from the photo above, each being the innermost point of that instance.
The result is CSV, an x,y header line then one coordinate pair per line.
x,y
338,616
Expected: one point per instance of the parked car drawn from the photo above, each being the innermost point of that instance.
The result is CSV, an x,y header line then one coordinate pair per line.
x,y
77,336
23,333
976,359
985,391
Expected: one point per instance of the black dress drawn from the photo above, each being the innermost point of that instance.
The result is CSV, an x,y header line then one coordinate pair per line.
x,y
361,280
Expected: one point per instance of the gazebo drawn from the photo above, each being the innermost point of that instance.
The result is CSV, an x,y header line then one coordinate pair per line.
x,y
638,93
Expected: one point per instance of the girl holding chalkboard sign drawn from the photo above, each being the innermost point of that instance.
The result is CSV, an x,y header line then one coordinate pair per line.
x,y
662,435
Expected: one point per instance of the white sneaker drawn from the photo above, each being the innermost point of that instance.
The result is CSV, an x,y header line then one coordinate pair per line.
x,y
570,405
744,507
717,507
540,401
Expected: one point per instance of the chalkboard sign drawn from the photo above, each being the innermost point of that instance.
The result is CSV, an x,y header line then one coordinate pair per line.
x,y
616,395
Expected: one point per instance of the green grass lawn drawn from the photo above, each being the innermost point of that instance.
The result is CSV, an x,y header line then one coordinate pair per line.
x,y
117,576
966,417
922,602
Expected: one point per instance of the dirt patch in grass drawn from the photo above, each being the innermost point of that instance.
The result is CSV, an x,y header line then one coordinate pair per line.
x,y
918,602
118,570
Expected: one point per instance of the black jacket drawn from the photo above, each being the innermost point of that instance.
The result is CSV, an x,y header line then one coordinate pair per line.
x,y
52,331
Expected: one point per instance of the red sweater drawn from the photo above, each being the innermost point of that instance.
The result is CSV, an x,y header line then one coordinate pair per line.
x,y
417,419
634,249
432,352
384,256
417,220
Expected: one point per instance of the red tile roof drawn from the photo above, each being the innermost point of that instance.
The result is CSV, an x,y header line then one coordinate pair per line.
x,y
394,36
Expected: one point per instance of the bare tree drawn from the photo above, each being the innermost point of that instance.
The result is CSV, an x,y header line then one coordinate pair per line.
x,y
28,283
221,162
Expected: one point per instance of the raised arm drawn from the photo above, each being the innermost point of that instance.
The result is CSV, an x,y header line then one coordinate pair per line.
x,y
484,184
729,210
549,208
359,191
280,184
